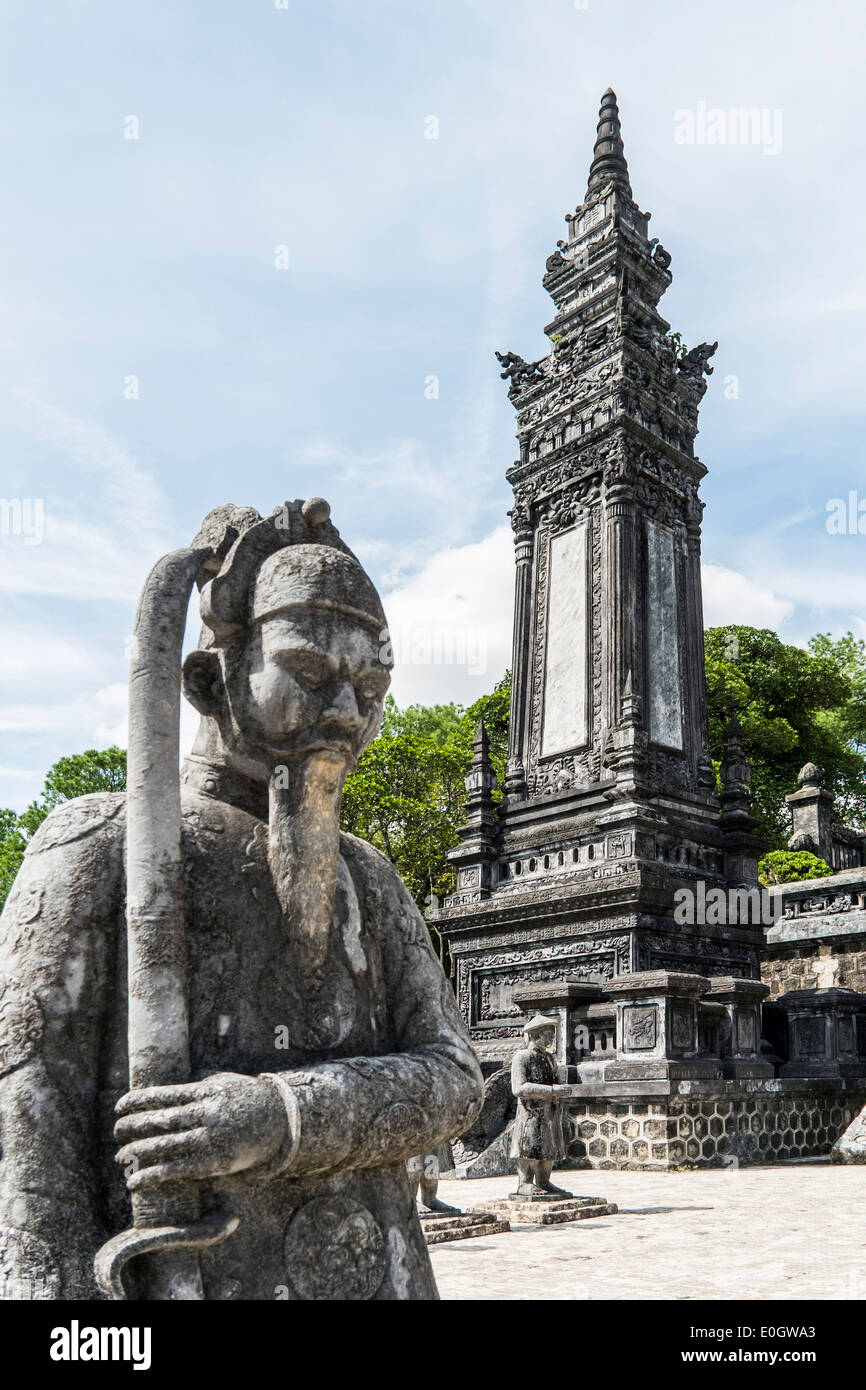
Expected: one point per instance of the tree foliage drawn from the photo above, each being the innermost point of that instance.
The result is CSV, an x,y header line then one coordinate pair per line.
x,y
408,795
795,705
791,866
91,771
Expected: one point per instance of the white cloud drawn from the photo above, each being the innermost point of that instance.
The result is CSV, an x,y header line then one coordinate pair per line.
x,y
98,715
34,653
451,623
104,517
729,597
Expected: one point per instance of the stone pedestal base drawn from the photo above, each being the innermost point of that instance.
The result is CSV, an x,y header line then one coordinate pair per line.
x,y
545,1209
461,1225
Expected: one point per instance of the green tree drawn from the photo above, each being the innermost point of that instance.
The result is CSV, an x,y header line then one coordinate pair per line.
x,y
790,705
844,727
91,771
408,796
12,847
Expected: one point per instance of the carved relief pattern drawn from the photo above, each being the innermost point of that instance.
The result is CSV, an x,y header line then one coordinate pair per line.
x,y
682,1030
639,1027
581,767
809,1037
618,923
608,956
489,1004
706,956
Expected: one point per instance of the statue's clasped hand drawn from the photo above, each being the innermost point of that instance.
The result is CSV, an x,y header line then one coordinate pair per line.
x,y
226,1123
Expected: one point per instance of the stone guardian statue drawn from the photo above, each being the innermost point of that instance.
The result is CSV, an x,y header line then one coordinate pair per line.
x,y
537,1141
223,1028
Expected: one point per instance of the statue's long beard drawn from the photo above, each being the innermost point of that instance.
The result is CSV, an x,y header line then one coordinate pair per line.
x,y
304,852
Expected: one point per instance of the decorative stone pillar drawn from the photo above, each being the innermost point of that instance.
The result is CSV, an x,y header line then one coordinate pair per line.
x,y
657,1027
812,814
515,771
741,1036
694,654
476,853
823,1032
620,590
561,999
742,846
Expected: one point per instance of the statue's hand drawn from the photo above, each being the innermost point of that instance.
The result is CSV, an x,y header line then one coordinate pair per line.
x,y
202,1129
561,1091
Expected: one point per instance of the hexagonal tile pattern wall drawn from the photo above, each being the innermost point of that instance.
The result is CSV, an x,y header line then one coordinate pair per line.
x,y
708,1132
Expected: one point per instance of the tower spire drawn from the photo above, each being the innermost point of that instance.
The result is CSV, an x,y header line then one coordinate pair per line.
x,y
608,157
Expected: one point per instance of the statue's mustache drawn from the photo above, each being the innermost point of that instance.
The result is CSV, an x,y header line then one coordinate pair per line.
x,y
328,738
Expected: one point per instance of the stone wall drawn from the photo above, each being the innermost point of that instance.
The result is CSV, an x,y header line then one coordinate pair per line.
x,y
711,1130
810,964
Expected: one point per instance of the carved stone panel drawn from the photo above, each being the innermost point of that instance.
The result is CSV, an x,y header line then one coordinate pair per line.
x,y
663,658
618,846
565,722
575,508
640,1027
846,1041
494,988
809,1038
682,1028
746,1032
485,983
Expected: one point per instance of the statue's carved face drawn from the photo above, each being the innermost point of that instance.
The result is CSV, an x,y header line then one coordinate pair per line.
x,y
308,670
312,680
543,1039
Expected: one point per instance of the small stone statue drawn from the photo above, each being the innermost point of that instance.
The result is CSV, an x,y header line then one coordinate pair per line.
x,y
223,1027
537,1140
424,1174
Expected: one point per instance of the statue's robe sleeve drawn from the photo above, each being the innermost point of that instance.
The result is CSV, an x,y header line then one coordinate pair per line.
x,y
57,942
370,1111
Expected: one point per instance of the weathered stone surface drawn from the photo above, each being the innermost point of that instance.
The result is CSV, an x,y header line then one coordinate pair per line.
x,y
610,800
463,1225
543,1209
292,1038
537,1140
851,1147
494,1161
739,1122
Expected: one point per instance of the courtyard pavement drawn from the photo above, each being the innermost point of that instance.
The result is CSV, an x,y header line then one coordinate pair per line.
x,y
790,1231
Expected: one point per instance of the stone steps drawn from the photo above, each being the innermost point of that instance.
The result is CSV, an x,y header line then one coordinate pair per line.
x,y
463,1225
548,1211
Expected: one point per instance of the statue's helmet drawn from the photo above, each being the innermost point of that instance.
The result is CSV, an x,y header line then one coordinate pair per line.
x,y
293,560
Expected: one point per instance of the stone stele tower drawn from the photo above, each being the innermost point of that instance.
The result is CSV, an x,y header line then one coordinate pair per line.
x,y
610,794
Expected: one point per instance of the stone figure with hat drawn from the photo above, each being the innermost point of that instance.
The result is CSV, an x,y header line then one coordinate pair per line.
x,y
537,1141
223,1028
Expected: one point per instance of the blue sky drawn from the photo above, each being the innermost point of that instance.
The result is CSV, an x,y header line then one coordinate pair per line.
x,y
154,258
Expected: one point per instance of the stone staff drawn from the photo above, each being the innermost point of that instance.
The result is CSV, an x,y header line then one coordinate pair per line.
x,y
167,1224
